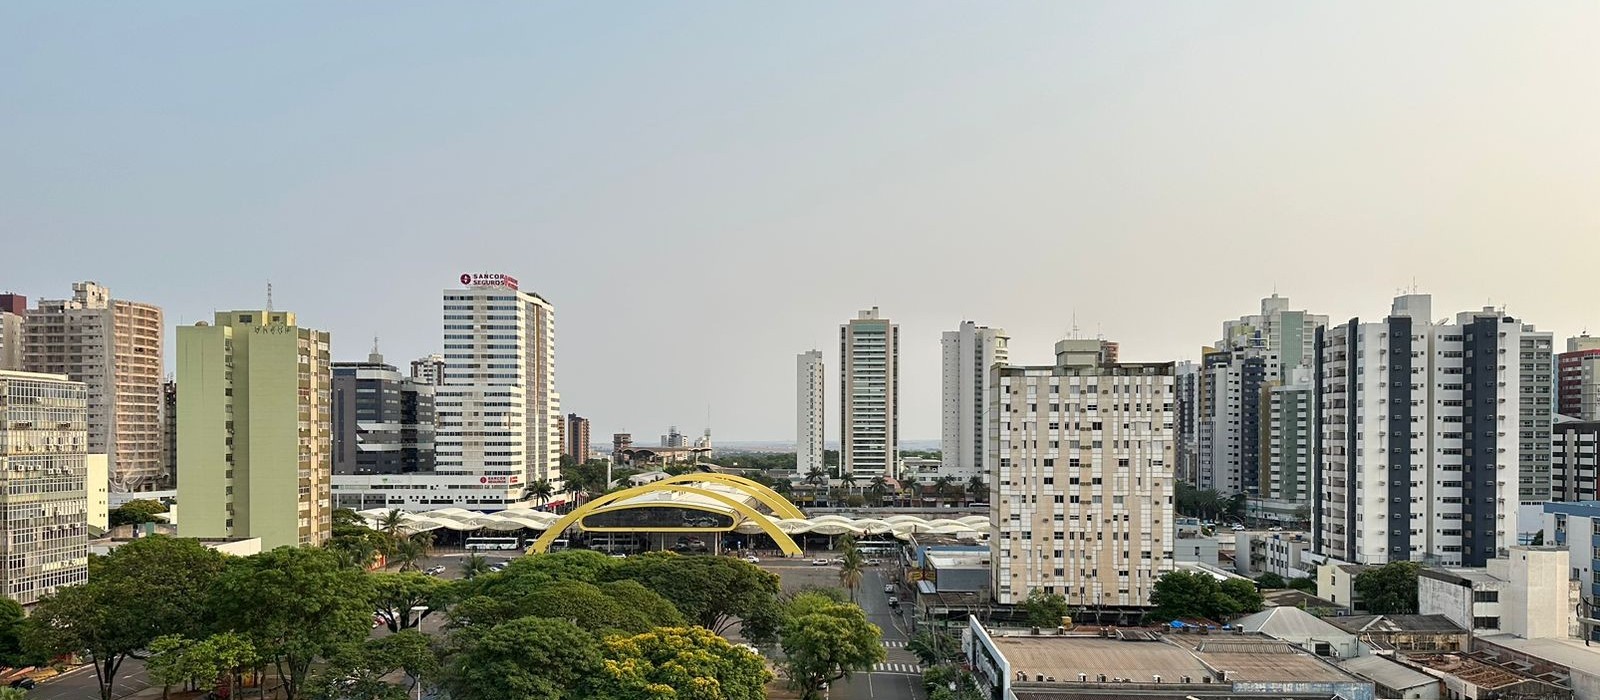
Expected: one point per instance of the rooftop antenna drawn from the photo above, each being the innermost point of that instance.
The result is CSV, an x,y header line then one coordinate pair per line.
x,y
1074,333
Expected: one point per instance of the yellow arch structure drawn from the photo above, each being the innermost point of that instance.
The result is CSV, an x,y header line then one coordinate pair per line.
x,y
782,538
780,506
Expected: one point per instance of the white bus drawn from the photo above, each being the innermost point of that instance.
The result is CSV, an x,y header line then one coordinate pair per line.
x,y
477,543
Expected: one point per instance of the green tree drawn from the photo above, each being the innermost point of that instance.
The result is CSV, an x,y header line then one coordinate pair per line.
x,y
398,597
409,651
816,477
949,682
148,588
137,512
1044,609
294,605
912,489
11,626
933,647
165,663
355,672
222,656
852,566
355,543
690,661
480,611
1304,584
943,486
408,552
877,489
474,565
13,694
593,609
529,657
847,480
1390,589
978,489
541,491
1271,581
1183,594
393,525
713,592
825,641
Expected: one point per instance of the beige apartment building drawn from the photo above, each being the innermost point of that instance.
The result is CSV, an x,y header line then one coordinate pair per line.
x,y
44,443
1081,477
869,395
115,348
255,454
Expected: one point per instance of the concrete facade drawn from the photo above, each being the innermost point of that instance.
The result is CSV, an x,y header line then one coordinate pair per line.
x,y
255,429
13,314
1578,379
968,353
1575,460
44,443
499,411
576,438
1526,594
115,348
869,394
1081,478
810,412
1576,526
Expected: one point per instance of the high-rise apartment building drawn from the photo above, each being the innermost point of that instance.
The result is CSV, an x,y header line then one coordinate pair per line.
x,y
1229,419
429,370
44,443
114,347
1082,482
13,313
255,454
969,352
1288,465
499,412
577,438
869,394
1431,434
1186,424
1575,460
1578,379
809,412
383,436
1278,330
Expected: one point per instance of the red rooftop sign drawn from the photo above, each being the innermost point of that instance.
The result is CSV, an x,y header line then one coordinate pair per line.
x,y
488,279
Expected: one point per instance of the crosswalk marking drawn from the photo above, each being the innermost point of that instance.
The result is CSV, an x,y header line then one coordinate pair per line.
x,y
897,668
894,644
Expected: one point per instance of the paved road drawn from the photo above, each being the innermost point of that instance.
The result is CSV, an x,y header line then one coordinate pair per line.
x,y
80,684
899,677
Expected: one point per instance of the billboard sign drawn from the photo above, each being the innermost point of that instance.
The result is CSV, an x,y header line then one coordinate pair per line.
x,y
488,279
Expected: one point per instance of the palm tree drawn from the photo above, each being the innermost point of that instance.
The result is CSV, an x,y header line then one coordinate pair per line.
x,y
410,551
877,488
978,489
852,567
393,524
941,486
541,491
847,480
816,477
911,486
574,491
474,566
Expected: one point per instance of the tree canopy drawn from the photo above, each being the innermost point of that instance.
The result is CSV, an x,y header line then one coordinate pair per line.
x,y
679,662
137,512
713,592
1183,594
530,657
1044,609
825,640
1390,589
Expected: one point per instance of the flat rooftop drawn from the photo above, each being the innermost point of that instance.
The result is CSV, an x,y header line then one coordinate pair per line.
x,y
1243,658
951,560
1566,652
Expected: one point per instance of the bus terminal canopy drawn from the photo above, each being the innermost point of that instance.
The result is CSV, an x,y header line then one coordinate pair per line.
x,y
695,502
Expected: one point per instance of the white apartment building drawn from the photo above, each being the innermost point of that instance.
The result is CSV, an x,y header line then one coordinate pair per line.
x,y
114,347
44,443
1082,478
1431,435
869,394
1229,418
969,353
809,411
1289,334
429,370
498,409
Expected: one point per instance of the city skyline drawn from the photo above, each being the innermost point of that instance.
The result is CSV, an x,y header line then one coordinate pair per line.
x,y
800,170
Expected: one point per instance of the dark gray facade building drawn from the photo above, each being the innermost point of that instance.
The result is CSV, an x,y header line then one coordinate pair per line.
x,y
383,422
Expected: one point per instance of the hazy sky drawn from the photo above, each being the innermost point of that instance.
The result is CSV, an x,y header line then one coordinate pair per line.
x,y
705,189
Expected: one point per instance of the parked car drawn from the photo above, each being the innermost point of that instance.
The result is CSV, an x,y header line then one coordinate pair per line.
x,y
618,555
1276,528
888,588
874,562
836,560
1237,528
819,562
23,683
753,559
894,601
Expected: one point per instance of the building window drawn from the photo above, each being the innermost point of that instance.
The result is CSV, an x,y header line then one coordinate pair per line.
x,y
1486,597
1485,623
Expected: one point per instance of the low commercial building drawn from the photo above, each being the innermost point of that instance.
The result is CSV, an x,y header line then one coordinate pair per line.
x,y
1569,663
1392,679
1336,582
1303,630
1472,676
1281,553
1576,526
1528,594
1122,663
1405,633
